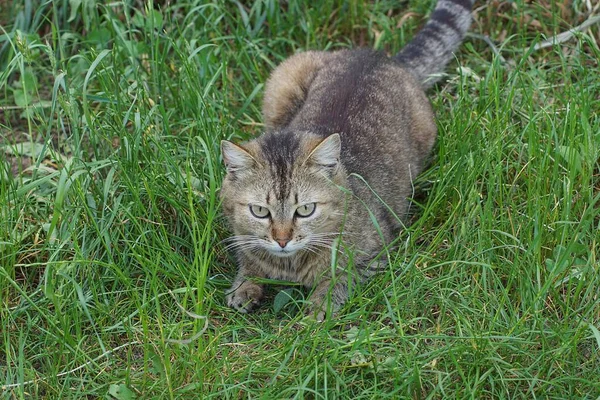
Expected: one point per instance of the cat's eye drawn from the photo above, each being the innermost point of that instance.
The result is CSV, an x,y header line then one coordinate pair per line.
x,y
259,211
306,210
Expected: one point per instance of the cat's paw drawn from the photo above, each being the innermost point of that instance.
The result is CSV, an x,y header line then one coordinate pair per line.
x,y
326,301
245,297
320,308
317,313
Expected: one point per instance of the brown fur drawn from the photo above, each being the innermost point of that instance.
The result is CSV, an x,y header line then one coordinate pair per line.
x,y
347,132
286,89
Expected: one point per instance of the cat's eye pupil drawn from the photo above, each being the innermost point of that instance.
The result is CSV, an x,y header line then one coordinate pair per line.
x,y
306,210
258,211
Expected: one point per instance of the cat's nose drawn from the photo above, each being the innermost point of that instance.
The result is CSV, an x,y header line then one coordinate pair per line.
x,y
281,235
282,242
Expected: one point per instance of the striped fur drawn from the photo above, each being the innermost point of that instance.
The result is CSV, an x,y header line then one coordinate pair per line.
x,y
346,134
430,51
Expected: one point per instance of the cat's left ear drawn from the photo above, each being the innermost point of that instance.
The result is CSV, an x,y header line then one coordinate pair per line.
x,y
327,153
235,157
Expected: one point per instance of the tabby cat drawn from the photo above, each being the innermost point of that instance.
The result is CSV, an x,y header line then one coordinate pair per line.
x,y
346,134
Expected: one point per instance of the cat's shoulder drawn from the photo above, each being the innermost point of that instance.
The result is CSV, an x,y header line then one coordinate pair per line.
x,y
288,85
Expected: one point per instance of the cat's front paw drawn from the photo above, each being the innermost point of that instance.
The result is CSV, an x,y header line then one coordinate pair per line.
x,y
320,309
245,297
318,312
326,301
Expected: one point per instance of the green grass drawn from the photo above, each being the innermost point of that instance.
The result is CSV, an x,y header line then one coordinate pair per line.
x,y
111,231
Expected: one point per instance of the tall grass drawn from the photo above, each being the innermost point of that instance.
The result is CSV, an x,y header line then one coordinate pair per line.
x,y
112,270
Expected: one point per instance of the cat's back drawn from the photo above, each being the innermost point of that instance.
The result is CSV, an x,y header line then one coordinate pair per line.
x,y
363,95
383,117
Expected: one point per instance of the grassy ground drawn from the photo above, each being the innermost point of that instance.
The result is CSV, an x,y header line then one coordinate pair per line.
x,y
112,269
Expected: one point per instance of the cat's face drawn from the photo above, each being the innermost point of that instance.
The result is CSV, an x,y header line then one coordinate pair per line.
x,y
281,194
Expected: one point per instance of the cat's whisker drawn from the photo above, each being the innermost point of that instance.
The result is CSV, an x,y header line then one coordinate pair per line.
x,y
321,245
328,237
324,246
310,249
327,234
246,243
237,238
233,245
247,247
324,240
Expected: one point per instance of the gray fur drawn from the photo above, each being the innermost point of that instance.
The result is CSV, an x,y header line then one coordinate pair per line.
x,y
431,50
341,127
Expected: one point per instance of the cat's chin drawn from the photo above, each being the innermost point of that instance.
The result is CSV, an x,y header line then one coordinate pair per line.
x,y
282,253
288,251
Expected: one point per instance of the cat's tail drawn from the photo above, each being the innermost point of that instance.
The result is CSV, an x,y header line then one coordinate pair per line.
x,y
429,52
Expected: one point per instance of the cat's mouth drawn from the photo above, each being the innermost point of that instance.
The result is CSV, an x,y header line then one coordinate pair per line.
x,y
283,252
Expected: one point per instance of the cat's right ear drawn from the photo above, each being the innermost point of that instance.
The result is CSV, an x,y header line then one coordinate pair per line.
x,y
326,154
235,157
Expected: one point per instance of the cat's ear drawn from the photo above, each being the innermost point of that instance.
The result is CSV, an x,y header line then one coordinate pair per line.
x,y
235,157
327,153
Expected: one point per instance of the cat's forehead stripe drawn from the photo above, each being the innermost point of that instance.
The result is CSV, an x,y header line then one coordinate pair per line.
x,y
280,150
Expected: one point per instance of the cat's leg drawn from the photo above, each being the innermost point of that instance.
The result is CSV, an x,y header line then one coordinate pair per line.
x,y
330,294
244,294
328,297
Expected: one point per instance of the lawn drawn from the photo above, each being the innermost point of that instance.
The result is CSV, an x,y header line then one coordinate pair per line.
x,y
112,261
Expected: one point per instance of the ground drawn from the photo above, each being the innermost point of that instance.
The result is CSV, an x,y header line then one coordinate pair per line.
x,y
112,261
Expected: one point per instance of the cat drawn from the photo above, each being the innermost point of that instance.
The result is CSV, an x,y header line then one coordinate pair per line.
x,y
346,134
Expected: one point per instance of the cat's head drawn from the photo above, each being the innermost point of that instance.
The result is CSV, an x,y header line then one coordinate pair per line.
x,y
282,192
